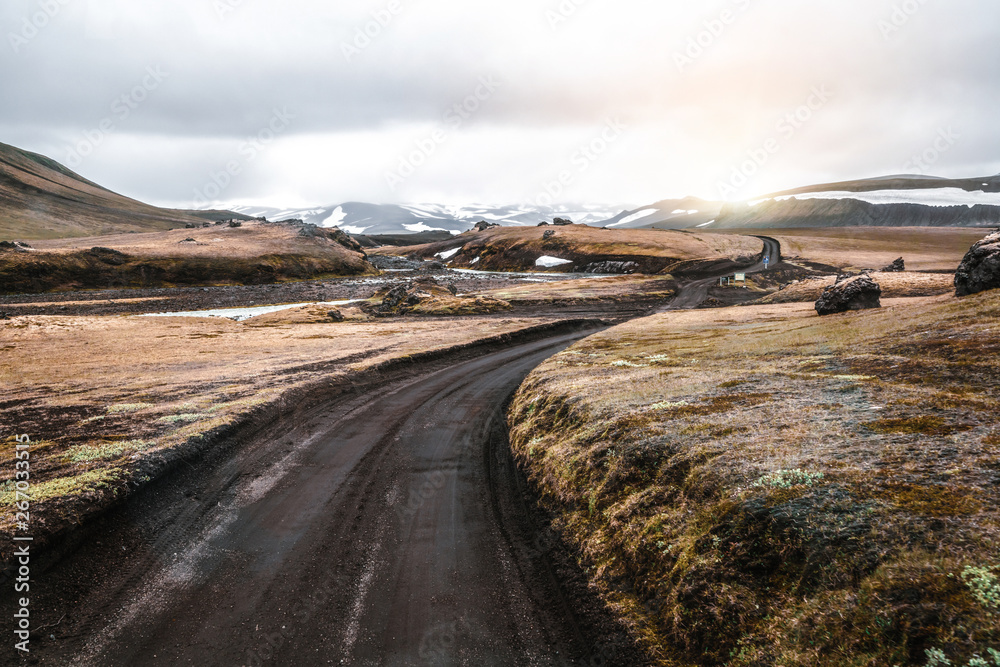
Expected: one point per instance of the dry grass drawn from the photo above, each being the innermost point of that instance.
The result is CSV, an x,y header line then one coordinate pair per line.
x,y
252,254
894,286
252,239
101,393
923,248
619,287
761,486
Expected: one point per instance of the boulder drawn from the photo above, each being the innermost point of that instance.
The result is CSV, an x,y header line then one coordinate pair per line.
x,y
482,226
857,293
191,225
393,298
549,234
899,266
980,270
235,223
562,222
335,315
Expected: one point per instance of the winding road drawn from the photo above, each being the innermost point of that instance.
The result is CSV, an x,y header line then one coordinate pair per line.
x,y
388,527
385,529
693,293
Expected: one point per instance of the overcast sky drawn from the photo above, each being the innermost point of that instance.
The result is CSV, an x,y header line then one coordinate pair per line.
x,y
306,102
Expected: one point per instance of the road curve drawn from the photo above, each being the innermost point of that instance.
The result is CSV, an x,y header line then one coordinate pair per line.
x,y
385,530
693,293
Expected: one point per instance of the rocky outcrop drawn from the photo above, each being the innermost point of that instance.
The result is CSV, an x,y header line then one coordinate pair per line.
x,y
610,268
16,246
857,293
334,234
549,234
425,296
482,226
899,266
562,222
395,262
980,270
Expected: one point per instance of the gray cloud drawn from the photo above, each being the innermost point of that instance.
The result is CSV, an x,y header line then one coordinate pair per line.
x,y
897,76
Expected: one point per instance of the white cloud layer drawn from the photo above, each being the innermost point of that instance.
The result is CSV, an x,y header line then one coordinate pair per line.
x,y
305,102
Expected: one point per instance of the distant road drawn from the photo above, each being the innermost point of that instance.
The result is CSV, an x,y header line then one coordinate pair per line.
x,y
385,529
693,293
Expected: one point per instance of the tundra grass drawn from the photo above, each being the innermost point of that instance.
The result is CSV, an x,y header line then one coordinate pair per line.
x,y
761,486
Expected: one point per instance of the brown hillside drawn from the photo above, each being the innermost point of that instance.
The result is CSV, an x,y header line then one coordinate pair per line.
x,y
42,199
518,248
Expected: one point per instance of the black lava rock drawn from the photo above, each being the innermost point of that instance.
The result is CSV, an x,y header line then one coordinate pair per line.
x,y
857,293
980,270
899,266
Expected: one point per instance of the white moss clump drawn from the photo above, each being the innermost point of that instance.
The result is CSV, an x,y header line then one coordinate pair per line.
x,y
787,479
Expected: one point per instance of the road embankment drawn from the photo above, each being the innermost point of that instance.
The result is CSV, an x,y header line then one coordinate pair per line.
x,y
759,485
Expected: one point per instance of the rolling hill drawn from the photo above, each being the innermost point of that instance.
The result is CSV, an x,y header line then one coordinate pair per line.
x,y
42,199
889,201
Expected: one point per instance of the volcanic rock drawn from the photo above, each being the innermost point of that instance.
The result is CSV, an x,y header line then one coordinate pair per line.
x,y
980,270
899,266
857,293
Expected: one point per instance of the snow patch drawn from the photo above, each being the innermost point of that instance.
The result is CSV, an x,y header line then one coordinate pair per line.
x,y
550,262
336,219
706,224
421,227
448,254
240,314
634,217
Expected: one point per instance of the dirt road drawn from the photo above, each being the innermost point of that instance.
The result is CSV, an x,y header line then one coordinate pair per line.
x,y
692,294
390,528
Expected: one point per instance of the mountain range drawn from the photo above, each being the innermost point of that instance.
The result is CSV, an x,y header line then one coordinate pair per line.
x,y
890,201
374,219
40,198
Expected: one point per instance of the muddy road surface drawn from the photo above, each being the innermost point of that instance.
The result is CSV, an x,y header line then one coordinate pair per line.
x,y
386,528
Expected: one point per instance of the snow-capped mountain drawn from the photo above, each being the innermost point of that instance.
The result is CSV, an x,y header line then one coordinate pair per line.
x,y
902,200
362,218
